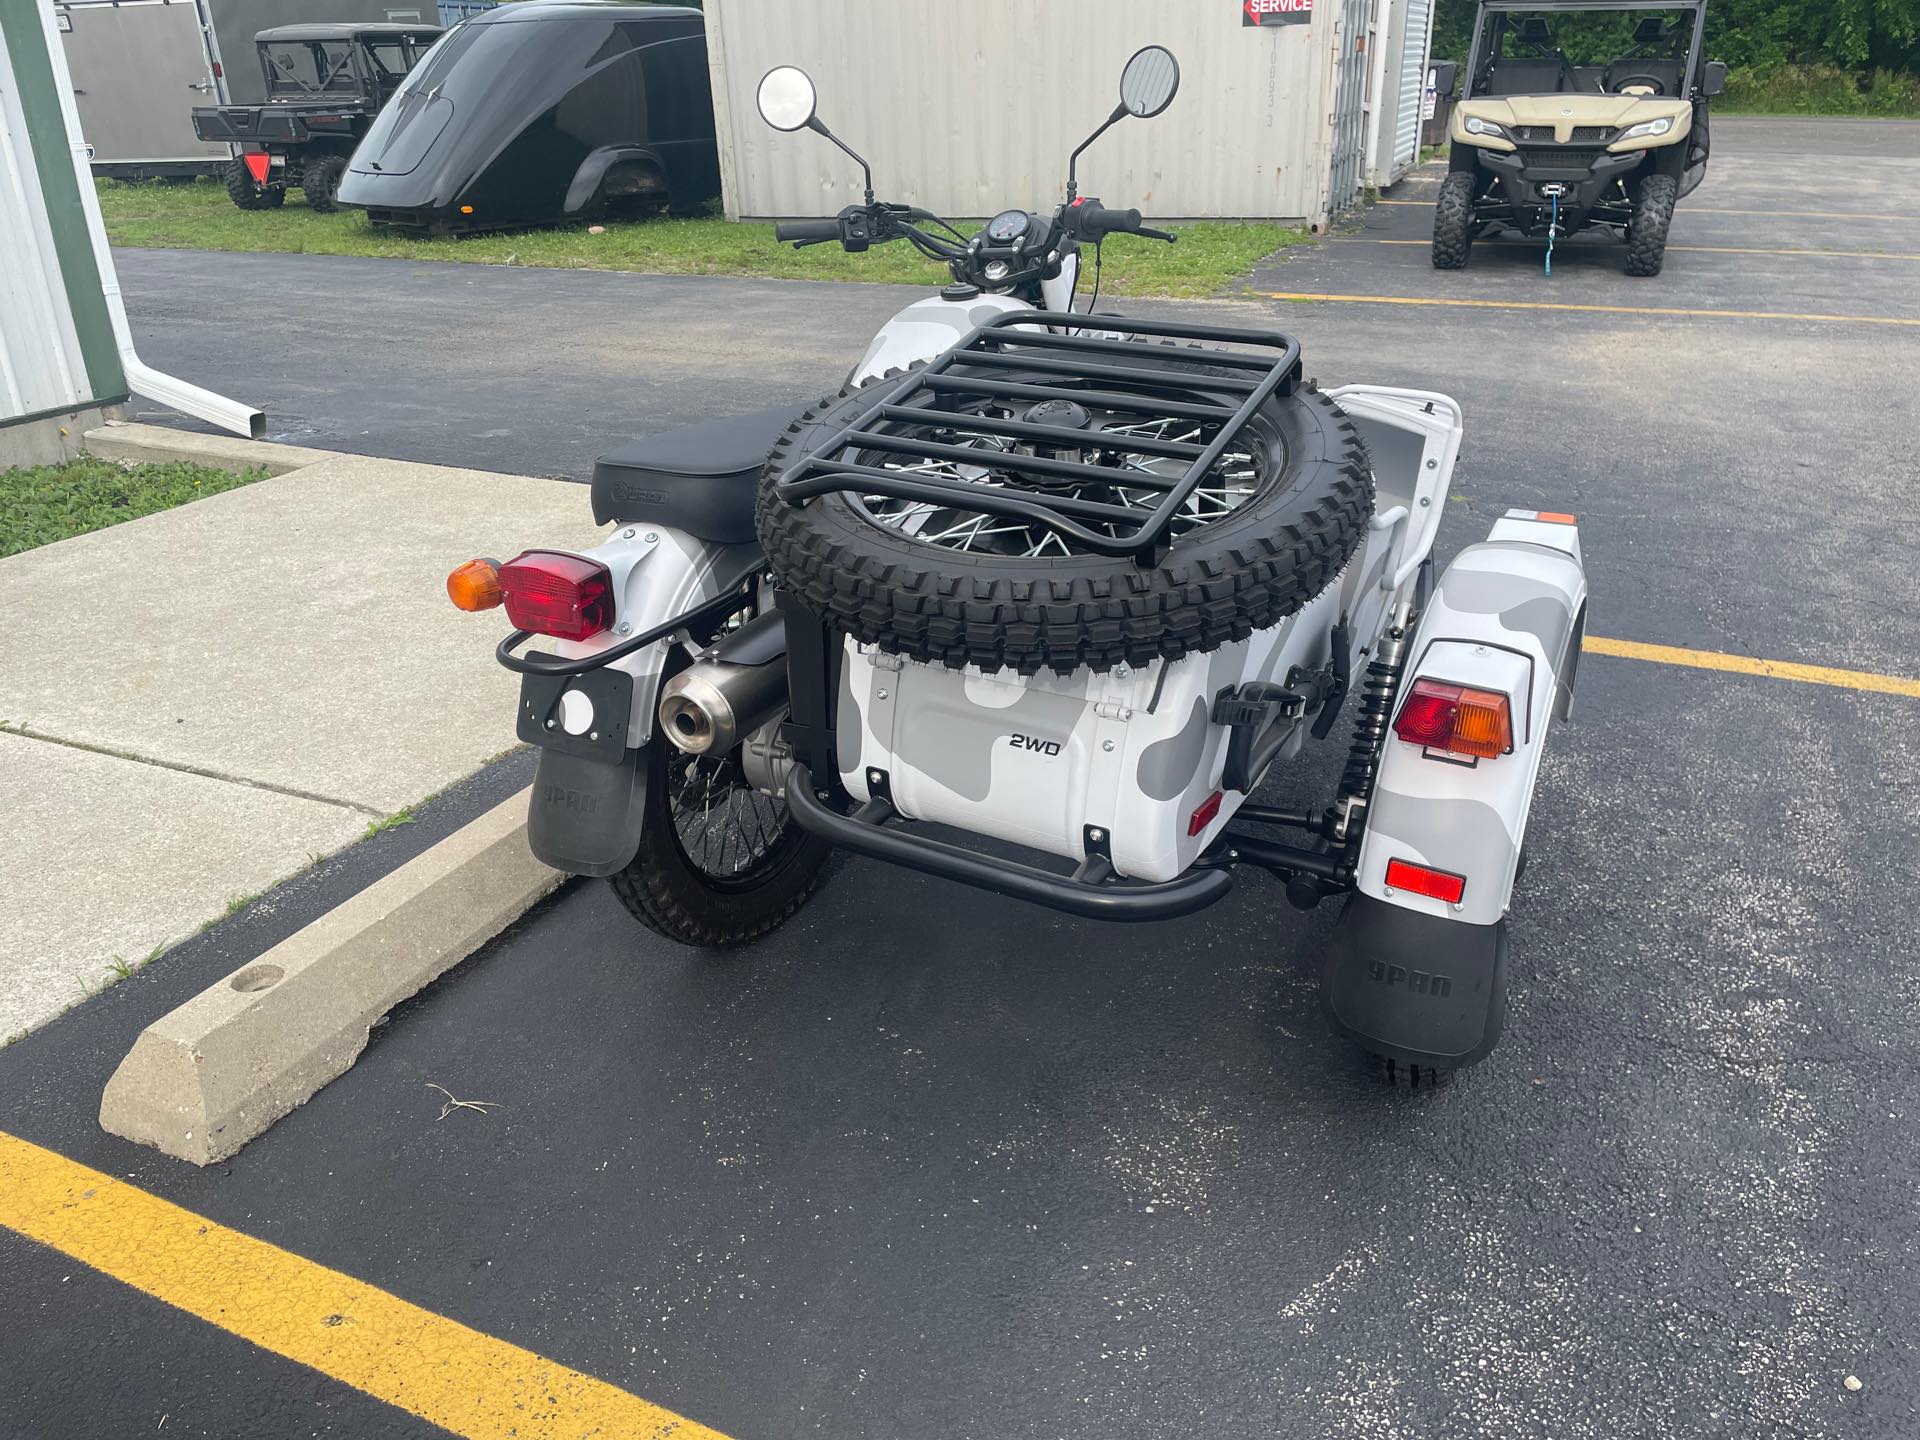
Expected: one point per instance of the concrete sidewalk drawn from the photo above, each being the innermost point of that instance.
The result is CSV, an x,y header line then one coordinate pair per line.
x,y
197,704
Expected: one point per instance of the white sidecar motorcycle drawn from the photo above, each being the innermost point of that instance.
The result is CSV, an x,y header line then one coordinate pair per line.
x,y
1073,583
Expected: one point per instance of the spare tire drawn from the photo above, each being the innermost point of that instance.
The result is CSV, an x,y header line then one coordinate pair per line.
x,y
1266,531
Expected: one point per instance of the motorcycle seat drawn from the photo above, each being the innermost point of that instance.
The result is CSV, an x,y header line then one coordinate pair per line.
x,y
701,479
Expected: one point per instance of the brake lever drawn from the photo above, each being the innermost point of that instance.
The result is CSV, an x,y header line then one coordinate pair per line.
x,y
1165,235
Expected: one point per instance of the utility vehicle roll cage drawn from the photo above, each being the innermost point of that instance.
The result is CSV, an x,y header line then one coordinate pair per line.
x,y
1478,63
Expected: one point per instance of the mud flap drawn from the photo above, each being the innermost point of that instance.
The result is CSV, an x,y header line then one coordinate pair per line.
x,y
1416,987
586,815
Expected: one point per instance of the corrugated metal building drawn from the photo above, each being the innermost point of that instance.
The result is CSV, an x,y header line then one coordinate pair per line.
x,y
58,354
972,108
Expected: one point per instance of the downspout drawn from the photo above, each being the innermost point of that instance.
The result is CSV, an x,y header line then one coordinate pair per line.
x,y
142,378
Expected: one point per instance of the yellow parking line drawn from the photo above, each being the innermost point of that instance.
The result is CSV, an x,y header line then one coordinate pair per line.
x,y
433,1367
1749,665
1315,297
1710,210
1698,249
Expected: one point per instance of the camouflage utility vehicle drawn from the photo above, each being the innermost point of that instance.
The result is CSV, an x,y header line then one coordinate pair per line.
x,y
1577,114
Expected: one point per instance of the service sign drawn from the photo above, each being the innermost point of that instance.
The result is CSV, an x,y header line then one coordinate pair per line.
x,y
1275,12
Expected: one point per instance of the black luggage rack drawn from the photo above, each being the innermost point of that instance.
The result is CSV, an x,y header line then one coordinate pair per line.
x,y
1153,384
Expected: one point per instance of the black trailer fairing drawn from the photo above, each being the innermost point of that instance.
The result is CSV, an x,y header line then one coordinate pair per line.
x,y
541,112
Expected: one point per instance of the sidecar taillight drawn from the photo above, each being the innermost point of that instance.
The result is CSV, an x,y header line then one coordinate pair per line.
x,y
1456,719
1425,880
553,593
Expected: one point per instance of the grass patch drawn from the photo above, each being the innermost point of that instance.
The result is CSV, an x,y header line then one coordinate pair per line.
x,y
403,816
200,217
1820,90
51,502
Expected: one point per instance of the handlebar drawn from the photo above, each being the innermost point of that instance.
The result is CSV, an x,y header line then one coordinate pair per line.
x,y
807,232
1094,221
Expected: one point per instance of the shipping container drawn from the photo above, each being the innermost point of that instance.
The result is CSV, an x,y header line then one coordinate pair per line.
x,y
969,109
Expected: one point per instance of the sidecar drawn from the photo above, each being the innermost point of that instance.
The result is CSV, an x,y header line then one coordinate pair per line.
x,y
1080,593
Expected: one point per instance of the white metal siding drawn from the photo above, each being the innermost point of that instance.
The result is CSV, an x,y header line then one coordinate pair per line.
x,y
972,108
1352,68
41,367
1413,83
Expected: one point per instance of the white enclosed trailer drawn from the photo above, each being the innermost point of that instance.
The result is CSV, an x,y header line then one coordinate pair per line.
x,y
971,108
140,66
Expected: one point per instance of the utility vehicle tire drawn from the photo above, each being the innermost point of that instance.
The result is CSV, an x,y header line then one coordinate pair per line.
x,y
321,181
1290,529
1453,221
248,193
675,893
1402,1076
1647,229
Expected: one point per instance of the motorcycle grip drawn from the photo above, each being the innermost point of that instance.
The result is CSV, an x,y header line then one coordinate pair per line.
x,y
807,230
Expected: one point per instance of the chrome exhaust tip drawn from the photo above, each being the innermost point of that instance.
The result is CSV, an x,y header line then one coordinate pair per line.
x,y
712,706
695,714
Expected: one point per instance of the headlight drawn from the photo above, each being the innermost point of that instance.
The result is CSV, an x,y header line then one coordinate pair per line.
x,y
1648,127
997,270
1477,126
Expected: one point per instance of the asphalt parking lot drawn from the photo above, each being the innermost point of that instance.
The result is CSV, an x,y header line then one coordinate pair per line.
x,y
925,1163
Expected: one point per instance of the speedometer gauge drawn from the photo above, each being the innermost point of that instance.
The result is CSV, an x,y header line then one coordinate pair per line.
x,y
1007,226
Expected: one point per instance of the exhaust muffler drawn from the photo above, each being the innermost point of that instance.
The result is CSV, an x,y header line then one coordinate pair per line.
x,y
730,691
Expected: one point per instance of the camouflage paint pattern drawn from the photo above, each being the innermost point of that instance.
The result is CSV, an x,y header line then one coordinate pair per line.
x,y
1503,617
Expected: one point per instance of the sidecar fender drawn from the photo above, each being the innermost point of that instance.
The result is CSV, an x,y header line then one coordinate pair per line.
x,y
1507,615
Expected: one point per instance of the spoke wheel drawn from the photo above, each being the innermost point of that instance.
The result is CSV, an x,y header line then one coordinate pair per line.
x,y
726,831
719,863
1231,483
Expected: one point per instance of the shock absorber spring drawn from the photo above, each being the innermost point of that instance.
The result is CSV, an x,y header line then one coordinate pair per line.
x,y
1377,689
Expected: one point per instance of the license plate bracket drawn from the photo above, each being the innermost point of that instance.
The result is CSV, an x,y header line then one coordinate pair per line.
x,y
543,715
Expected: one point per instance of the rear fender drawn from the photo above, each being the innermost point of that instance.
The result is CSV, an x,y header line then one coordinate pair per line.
x,y
593,170
658,572
1508,614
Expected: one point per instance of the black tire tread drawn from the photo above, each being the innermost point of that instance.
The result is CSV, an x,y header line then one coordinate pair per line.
x,y
1132,615
1647,230
246,192
1453,221
643,888
320,180
1403,1076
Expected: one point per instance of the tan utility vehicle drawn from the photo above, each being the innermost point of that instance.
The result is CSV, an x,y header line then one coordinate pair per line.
x,y
1548,142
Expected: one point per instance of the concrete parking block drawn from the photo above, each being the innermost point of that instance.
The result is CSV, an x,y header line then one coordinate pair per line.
x,y
107,858
293,633
206,1078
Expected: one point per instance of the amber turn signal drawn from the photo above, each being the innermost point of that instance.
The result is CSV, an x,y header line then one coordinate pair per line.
x,y
475,585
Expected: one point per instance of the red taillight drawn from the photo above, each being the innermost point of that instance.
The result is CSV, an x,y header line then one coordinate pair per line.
x,y
552,593
1422,880
1456,719
1203,814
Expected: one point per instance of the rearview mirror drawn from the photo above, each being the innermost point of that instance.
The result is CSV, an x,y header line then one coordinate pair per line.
x,y
1444,77
1713,78
1149,82
786,98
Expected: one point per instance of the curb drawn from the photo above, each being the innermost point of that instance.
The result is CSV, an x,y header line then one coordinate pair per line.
x,y
148,443
203,1080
